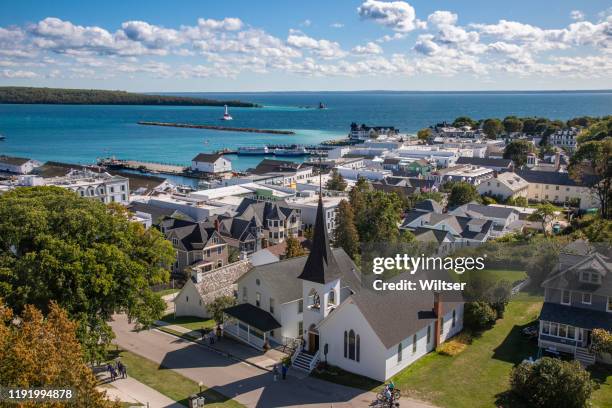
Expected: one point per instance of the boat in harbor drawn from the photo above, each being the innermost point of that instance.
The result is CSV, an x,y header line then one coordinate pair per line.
x,y
253,150
322,105
2,137
292,151
226,115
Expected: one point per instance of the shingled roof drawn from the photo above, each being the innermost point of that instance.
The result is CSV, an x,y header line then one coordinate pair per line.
x,y
321,265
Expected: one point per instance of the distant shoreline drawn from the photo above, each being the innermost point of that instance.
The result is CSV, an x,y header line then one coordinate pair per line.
x,y
381,91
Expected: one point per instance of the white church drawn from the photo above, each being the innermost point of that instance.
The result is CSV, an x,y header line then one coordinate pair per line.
x,y
320,298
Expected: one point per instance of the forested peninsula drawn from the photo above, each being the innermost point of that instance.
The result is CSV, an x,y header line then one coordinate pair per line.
x,y
62,96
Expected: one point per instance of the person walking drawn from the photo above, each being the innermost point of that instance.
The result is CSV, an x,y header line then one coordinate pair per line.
x,y
284,369
124,372
275,373
109,368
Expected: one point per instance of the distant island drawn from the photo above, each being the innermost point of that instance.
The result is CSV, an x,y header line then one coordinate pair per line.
x,y
61,96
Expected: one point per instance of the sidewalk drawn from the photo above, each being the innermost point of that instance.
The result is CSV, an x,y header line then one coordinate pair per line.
x,y
135,392
232,348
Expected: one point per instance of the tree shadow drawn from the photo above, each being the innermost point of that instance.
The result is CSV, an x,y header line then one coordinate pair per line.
x,y
515,347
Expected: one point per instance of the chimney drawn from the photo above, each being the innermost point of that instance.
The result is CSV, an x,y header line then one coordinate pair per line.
x,y
216,223
437,309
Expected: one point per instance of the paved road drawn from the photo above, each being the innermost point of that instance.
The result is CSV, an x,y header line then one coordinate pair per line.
x,y
133,391
248,385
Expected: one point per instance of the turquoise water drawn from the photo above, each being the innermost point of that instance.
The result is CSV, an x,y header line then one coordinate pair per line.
x,y
80,134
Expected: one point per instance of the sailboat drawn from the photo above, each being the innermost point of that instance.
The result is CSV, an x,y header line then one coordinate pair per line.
x,y
226,115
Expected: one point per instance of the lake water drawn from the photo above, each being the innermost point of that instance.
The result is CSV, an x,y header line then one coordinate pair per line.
x,y
80,134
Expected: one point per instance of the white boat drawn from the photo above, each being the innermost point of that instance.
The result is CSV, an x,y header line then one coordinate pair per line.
x,y
2,137
294,151
226,115
253,150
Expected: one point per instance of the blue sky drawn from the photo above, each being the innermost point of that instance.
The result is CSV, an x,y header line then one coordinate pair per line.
x,y
307,45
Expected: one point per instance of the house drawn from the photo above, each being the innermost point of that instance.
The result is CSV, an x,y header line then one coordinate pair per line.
x,y
195,243
466,229
258,224
504,185
577,299
363,132
103,186
505,220
205,286
320,300
420,167
499,165
17,165
307,207
467,173
283,172
559,188
211,163
154,213
565,138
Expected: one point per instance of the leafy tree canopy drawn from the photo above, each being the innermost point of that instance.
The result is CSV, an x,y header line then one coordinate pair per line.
x,y
87,257
517,151
216,307
336,182
492,128
462,193
294,248
38,351
465,121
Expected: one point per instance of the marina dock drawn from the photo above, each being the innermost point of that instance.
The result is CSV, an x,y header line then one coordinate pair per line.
x,y
216,127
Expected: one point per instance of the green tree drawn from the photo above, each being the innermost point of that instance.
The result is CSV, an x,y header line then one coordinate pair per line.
x,y
488,200
462,193
336,182
545,214
38,351
592,165
357,197
87,257
345,234
424,134
529,125
550,382
465,121
517,201
294,248
216,307
512,124
479,315
492,128
517,151
379,217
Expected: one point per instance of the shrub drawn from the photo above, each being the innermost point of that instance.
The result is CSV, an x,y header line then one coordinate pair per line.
x,y
602,341
455,345
552,382
479,316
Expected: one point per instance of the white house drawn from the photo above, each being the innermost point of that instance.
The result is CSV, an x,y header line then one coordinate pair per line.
x,y
505,220
559,188
211,163
504,185
17,165
321,300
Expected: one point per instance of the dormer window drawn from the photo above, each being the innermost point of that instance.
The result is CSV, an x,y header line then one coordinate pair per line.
x,y
175,241
590,277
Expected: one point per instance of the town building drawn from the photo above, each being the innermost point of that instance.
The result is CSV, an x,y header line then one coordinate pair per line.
x,y
211,163
577,299
565,138
258,224
505,220
363,132
307,206
499,165
17,165
281,172
559,188
86,183
320,300
464,173
195,243
504,186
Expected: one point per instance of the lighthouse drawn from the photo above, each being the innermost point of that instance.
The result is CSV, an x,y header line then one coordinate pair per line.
x,y
226,115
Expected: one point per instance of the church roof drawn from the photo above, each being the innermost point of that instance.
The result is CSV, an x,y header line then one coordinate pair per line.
x,y
321,265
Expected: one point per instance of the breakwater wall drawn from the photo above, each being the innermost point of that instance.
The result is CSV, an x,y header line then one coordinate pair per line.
x,y
216,127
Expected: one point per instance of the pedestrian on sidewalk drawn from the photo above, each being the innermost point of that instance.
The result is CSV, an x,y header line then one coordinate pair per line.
x,y
113,373
284,369
124,372
211,337
119,368
275,373
109,368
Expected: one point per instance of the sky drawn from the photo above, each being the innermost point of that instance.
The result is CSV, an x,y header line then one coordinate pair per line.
x,y
240,46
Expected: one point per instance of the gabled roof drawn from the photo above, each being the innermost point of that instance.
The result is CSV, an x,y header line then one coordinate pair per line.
x,y
428,205
276,166
485,161
207,158
157,213
553,177
16,161
575,316
253,316
192,235
281,278
321,265
476,210
432,235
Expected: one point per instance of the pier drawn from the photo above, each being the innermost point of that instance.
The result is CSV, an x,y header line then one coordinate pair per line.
x,y
148,167
216,127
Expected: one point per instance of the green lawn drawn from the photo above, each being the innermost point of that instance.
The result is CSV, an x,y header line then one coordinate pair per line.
x,y
602,375
189,322
165,292
499,274
168,382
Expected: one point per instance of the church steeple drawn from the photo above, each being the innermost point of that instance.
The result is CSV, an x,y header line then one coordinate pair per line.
x,y
321,266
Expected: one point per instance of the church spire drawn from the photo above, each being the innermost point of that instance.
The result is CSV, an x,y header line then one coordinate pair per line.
x,y
321,265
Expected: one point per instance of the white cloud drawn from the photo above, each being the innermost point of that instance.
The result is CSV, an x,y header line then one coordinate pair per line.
x,y
369,48
398,15
15,74
322,48
336,25
306,23
440,18
577,15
